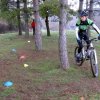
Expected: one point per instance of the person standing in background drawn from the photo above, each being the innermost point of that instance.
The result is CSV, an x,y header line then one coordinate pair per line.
x,y
33,26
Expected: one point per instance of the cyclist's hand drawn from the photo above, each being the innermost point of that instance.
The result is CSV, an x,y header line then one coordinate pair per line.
x,y
99,37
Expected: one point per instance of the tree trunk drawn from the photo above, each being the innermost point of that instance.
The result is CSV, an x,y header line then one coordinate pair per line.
x,y
26,19
47,26
91,9
80,5
87,3
38,36
62,36
90,14
18,17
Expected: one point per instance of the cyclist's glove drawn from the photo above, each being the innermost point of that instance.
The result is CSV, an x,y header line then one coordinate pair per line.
x,y
99,37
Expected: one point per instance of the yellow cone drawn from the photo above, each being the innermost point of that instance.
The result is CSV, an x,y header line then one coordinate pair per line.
x,y
29,41
26,65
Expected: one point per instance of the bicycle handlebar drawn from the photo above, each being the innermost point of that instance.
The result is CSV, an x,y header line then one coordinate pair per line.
x,y
94,39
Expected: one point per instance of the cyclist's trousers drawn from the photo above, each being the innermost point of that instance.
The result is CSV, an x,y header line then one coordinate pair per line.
x,y
85,37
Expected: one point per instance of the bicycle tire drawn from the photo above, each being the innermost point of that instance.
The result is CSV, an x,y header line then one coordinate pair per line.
x,y
79,63
94,64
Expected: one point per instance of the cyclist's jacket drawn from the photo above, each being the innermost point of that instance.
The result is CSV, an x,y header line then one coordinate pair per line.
x,y
82,26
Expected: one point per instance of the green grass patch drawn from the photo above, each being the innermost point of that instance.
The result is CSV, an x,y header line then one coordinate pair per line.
x,y
7,92
44,77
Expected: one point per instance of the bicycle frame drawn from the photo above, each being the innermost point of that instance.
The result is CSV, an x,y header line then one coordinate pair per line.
x,y
89,49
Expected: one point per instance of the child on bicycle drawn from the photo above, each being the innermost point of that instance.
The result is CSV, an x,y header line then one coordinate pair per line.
x,y
81,30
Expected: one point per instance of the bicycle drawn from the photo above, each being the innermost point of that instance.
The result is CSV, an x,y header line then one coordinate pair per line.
x,y
88,54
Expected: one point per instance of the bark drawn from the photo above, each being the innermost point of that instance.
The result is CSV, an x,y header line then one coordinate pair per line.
x,y
90,14
38,36
26,19
80,5
18,17
47,26
87,2
91,9
62,36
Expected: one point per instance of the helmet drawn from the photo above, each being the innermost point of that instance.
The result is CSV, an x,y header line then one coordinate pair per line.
x,y
83,13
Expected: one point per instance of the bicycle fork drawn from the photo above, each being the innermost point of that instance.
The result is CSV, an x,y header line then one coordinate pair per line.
x,y
95,54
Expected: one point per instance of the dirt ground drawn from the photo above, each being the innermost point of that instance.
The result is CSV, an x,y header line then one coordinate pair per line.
x,y
24,86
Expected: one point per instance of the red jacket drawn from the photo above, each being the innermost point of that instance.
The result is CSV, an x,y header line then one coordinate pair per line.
x,y
33,24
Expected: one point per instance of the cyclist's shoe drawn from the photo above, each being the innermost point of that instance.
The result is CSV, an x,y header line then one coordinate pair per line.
x,y
99,37
78,57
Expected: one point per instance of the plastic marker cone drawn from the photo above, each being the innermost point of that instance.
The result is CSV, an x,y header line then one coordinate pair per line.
x,y
13,50
8,84
26,65
29,41
22,57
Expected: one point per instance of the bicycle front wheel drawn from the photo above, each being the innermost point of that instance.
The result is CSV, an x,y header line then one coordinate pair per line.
x,y
94,63
80,62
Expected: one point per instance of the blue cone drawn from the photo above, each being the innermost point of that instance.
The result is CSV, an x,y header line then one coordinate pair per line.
x,y
14,50
8,84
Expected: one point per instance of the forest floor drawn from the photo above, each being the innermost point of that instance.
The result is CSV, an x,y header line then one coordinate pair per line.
x,y
43,79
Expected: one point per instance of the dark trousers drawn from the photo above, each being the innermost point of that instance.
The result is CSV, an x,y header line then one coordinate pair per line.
x,y
34,31
85,37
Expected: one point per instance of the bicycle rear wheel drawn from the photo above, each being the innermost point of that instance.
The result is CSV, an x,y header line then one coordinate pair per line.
x,y
80,62
94,63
